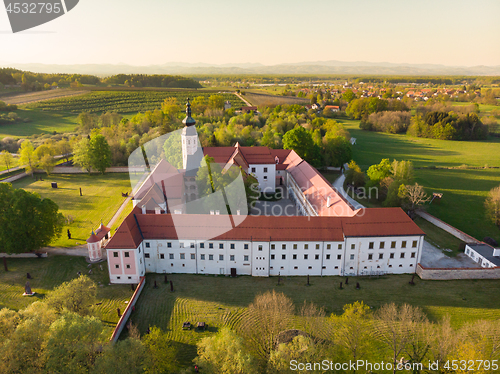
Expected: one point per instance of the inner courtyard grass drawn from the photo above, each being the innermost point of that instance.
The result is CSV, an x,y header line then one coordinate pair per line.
x,y
100,201
223,301
52,271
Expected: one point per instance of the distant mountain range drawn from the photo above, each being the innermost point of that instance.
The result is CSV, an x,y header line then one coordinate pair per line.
x,y
311,67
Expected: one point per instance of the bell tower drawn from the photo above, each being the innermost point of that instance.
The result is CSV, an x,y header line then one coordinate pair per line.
x,y
189,140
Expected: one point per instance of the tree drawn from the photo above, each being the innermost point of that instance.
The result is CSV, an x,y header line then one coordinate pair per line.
x,y
354,174
172,148
337,151
170,107
268,315
124,356
81,154
161,352
380,171
354,329
6,159
44,154
300,349
100,153
86,122
301,141
27,222
216,101
27,156
64,148
394,327
413,196
492,205
72,344
348,95
224,353
76,296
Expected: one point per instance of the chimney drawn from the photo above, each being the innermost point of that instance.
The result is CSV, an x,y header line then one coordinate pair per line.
x,y
238,212
144,209
496,252
328,202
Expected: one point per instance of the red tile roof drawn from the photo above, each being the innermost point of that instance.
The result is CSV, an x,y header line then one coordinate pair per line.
x,y
368,222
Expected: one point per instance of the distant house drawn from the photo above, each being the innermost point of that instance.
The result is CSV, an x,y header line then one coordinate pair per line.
x,y
316,106
484,254
227,105
248,109
309,107
333,108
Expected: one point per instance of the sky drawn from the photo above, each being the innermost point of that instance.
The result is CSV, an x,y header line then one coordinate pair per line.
x,y
151,32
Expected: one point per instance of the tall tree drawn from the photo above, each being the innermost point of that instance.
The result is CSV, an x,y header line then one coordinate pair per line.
x,y
27,156
6,159
81,154
75,296
301,141
161,352
124,356
27,222
492,205
100,153
44,154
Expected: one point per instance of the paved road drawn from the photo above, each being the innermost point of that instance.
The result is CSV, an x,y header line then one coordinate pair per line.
x,y
242,99
339,186
433,257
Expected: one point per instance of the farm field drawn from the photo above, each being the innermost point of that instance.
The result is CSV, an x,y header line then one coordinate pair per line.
x,y
52,271
464,189
40,123
264,99
125,101
101,199
30,97
199,298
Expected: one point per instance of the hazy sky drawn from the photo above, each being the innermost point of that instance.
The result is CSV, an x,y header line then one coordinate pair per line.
x,y
146,32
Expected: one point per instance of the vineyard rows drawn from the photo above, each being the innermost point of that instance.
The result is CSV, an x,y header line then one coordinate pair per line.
x,y
123,101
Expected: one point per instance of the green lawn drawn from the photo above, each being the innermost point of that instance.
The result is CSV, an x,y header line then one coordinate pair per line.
x,y
40,123
49,273
439,237
199,298
101,199
464,190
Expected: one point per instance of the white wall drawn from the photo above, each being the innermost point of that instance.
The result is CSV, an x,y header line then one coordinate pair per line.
x,y
268,185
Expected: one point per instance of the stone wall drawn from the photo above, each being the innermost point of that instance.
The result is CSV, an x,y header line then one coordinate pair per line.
x,y
457,273
448,228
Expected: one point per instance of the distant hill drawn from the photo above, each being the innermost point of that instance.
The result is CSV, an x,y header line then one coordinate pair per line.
x,y
311,67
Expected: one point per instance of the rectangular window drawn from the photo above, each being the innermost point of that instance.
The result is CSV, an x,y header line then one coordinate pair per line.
x,y
414,244
183,256
265,177
245,258
272,257
393,244
253,170
147,245
171,256
339,257
245,246
402,255
317,246
162,256
211,245
202,257
128,266
352,257
294,257
413,254
328,246
306,246
260,248
283,246
370,245
146,255
305,257
169,245
316,257
221,257
232,246
181,245
353,246
382,245
380,256
295,267
370,256
191,245
265,170
403,244
202,245
283,257
117,266
273,246
391,255
115,254
193,256
127,254
210,257
295,246
221,246
231,258
339,246
327,257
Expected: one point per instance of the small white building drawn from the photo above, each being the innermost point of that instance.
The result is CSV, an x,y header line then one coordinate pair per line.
x,y
485,255
97,241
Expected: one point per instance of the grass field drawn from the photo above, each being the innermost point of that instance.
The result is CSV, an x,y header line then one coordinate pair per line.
x,y
101,199
464,189
199,298
49,273
40,122
265,99
30,97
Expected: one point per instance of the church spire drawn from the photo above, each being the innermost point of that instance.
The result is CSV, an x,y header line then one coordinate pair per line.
x,y
188,121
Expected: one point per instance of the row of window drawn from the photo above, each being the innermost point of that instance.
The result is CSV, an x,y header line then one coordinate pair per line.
x,y
306,246
371,245
391,255
126,254
182,256
254,170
